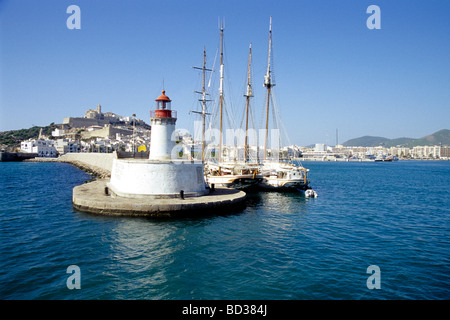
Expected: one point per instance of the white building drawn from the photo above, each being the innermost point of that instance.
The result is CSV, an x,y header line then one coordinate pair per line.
x,y
58,132
426,152
400,151
65,146
44,148
320,147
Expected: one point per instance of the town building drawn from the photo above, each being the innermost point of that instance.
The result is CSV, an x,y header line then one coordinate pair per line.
x,y
107,131
43,147
64,146
445,152
425,152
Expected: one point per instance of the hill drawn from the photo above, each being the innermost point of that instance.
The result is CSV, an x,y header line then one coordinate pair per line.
x,y
366,141
11,139
437,138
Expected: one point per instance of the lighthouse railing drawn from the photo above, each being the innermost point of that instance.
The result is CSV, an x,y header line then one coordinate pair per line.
x,y
158,113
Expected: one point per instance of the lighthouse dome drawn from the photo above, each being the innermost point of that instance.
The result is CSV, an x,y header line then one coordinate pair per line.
x,y
163,97
163,102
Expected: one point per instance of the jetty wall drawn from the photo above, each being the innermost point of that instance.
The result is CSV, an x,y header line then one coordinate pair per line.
x,y
99,164
16,156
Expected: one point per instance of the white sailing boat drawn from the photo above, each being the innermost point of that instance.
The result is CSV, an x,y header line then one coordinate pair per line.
x,y
278,175
283,176
228,173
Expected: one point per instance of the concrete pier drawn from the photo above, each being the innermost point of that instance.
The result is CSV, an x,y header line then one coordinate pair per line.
x,y
91,197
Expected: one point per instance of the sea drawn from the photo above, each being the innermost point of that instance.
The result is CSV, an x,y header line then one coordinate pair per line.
x,y
377,231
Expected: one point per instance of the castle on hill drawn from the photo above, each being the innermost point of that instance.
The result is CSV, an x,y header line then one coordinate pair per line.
x,y
95,117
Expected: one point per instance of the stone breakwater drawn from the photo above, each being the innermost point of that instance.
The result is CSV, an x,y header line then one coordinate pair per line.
x,y
95,197
97,164
94,170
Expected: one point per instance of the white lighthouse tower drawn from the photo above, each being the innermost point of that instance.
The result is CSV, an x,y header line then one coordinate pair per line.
x,y
159,176
163,121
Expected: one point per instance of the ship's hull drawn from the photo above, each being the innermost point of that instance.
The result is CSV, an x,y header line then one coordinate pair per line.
x,y
275,184
233,181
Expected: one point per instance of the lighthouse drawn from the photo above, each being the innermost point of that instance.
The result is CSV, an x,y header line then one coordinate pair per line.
x,y
159,176
159,185
163,120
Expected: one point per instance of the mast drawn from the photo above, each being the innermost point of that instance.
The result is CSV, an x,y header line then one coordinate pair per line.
x,y
248,94
203,105
337,137
268,84
221,93
203,100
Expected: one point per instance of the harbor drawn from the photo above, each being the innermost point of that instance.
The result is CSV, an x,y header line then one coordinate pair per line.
x,y
161,185
157,186
279,246
225,159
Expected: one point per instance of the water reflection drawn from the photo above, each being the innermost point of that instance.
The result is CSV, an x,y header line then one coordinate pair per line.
x,y
183,257
138,253
279,202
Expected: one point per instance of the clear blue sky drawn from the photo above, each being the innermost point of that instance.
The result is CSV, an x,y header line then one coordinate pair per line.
x,y
331,71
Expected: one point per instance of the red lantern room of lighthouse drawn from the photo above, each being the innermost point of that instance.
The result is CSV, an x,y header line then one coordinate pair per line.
x,y
163,107
163,121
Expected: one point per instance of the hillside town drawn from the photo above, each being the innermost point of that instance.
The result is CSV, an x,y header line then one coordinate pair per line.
x,y
94,132
108,132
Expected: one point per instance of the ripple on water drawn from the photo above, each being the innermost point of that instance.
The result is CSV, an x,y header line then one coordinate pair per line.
x,y
282,246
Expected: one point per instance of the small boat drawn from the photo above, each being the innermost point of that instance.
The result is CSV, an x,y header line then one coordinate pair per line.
x,y
383,158
310,193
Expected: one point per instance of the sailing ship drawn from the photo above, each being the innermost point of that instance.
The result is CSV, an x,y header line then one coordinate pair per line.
x,y
278,175
229,173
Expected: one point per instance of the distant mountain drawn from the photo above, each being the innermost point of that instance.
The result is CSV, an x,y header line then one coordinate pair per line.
x,y
439,137
366,141
398,142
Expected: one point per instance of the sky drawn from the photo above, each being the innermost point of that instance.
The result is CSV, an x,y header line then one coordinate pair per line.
x,y
332,73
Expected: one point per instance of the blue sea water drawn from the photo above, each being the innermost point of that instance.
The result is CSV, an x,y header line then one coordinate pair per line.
x,y
281,246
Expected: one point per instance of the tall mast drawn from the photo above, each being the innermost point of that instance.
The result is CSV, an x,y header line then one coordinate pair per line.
x,y
203,105
248,94
268,84
203,100
221,92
